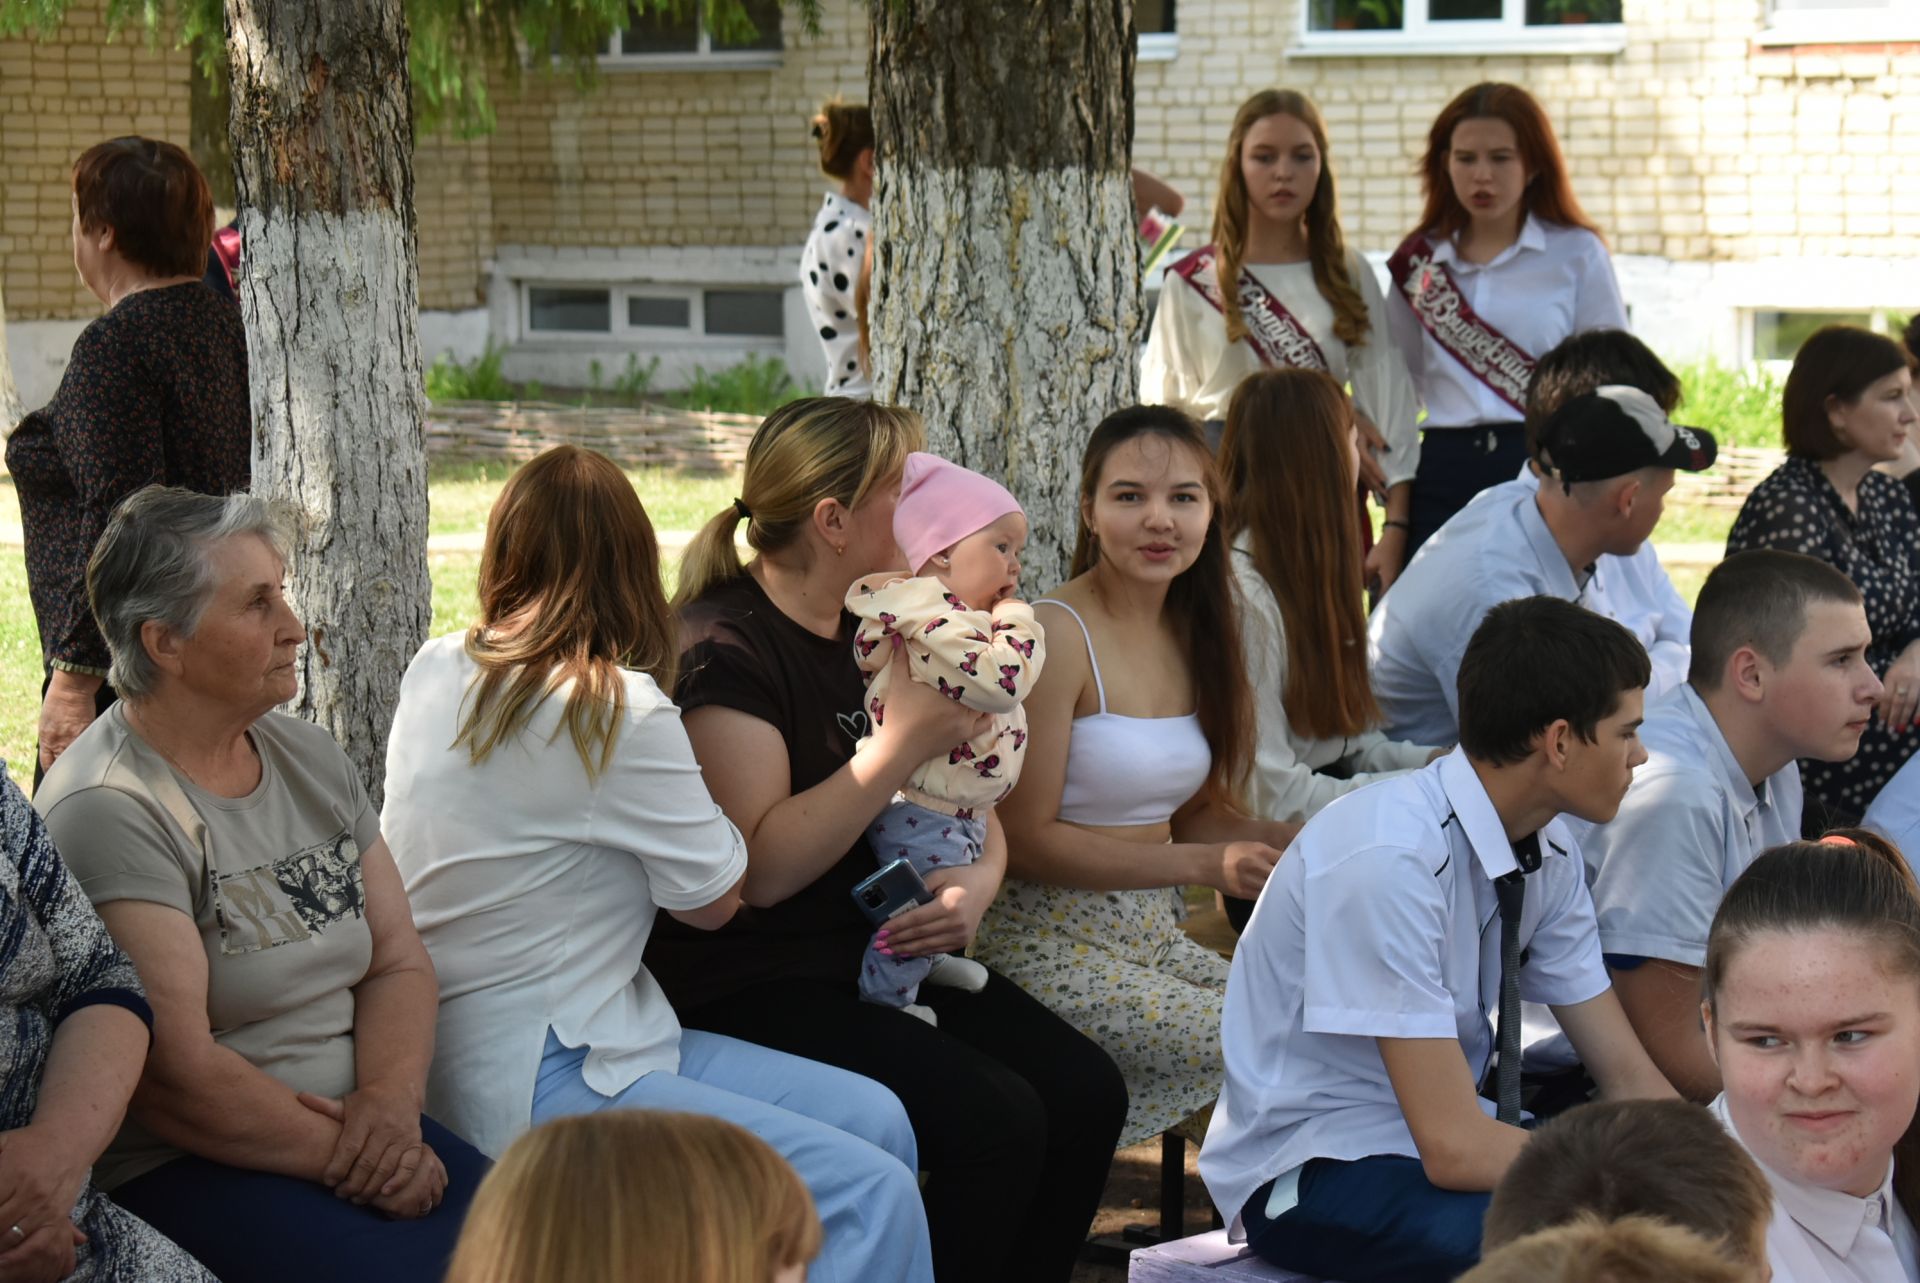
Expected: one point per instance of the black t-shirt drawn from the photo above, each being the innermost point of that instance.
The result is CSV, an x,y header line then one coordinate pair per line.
x,y
743,653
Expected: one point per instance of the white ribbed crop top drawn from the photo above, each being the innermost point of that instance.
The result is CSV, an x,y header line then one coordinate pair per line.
x,y
1129,770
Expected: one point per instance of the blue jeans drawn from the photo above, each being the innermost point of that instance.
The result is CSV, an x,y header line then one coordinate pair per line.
x,y
1373,1220
259,1227
846,1135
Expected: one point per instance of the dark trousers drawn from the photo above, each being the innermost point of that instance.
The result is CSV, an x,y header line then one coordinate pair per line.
x,y
1016,1113
1374,1220
103,699
1455,465
258,1227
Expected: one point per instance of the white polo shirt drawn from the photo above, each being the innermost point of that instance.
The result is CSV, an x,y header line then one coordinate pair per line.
x,y
1493,550
1552,282
1380,922
1691,823
1820,1235
1894,812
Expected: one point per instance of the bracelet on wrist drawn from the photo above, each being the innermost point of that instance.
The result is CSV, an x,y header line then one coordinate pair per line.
x,y
1393,524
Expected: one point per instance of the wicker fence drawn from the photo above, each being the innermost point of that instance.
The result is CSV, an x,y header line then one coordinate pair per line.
x,y
655,436
1736,471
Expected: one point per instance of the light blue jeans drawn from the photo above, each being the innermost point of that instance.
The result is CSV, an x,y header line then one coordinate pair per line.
x,y
845,1134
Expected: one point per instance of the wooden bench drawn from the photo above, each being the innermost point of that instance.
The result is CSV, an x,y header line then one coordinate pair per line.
x,y
1205,1258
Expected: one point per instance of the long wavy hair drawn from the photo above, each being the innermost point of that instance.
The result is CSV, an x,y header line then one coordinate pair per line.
x,y
570,592
1200,603
1289,480
1549,195
823,447
1326,247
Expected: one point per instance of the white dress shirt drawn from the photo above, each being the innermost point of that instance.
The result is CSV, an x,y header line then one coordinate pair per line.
x,y
1381,922
1894,812
1828,1236
1189,363
1495,549
1552,282
1286,783
1691,823
1637,593
535,889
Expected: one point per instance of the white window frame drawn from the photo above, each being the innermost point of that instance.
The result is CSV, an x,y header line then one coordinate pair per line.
x,y
703,57
1897,22
1880,319
1420,36
621,331
1158,46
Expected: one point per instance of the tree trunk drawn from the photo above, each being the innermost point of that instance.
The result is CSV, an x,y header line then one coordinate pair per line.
x,y
1006,291
11,408
323,166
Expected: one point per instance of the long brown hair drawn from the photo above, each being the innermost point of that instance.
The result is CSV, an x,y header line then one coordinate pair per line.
x,y
1549,195
1200,603
1290,486
823,447
636,1194
569,592
1326,247
1853,880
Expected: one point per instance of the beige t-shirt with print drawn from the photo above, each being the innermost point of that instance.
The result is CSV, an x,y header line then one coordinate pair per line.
x,y
272,880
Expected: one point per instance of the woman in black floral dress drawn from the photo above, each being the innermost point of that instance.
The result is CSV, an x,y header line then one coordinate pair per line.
x,y
156,391
73,1035
1848,405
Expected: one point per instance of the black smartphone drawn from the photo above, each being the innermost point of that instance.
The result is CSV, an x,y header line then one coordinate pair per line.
x,y
896,888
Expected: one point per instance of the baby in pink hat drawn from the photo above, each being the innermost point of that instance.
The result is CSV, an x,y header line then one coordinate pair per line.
x,y
966,632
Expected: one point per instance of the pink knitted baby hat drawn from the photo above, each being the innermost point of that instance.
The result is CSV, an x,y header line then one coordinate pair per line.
x,y
942,503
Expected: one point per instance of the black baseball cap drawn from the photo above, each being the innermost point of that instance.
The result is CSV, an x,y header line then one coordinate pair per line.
x,y
1614,430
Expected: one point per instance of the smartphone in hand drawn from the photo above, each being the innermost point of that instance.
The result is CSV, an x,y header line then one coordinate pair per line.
x,y
890,892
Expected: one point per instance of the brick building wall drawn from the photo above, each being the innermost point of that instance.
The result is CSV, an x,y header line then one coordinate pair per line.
x,y
59,96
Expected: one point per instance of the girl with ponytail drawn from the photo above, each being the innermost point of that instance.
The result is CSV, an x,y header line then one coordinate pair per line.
x,y
1014,1113
831,262
1278,288
1812,1011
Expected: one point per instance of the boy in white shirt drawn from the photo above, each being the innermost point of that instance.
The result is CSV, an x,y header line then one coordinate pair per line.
x,y
1609,458
1350,1141
1779,673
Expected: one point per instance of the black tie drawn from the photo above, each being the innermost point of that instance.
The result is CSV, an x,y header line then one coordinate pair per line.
x,y
1512,891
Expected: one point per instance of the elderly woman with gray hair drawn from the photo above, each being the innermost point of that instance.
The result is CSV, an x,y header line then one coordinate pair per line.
x,y
234,855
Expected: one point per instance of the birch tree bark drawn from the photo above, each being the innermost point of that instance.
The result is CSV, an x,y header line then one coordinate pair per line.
x,y
1006,289
323,166
11,409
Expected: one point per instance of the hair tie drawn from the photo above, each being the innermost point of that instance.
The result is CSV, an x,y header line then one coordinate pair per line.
x,y
1837,839
740,506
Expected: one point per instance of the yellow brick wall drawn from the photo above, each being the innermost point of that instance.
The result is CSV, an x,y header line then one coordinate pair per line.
x,y
59,96
1694,143
660,157
453,205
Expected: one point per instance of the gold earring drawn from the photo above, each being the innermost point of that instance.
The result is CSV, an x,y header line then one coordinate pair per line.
x,y
839,550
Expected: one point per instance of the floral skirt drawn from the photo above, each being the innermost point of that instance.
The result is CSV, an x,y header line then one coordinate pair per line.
x,y
1117,967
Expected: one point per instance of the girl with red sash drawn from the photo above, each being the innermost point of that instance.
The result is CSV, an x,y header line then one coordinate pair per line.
x,y
1278,288
1503,266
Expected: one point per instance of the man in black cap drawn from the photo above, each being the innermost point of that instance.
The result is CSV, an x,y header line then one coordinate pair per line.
x,y
1607,459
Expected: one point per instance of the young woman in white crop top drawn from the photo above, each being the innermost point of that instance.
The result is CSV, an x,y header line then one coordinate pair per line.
x,y
1278,288
1141,733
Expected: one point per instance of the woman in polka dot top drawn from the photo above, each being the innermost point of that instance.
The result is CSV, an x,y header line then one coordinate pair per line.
x,y
830,264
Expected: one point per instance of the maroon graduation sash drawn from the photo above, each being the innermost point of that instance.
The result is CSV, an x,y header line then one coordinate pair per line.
x,y
1430,290
1273,333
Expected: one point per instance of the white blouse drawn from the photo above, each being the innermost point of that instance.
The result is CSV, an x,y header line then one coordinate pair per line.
x,y
535,889
829,269
1551,283
1287,783
1826,1236
1190,364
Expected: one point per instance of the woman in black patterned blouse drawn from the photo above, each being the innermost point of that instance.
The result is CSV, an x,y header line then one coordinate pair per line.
x,y
1848,405
155,391
74,1028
